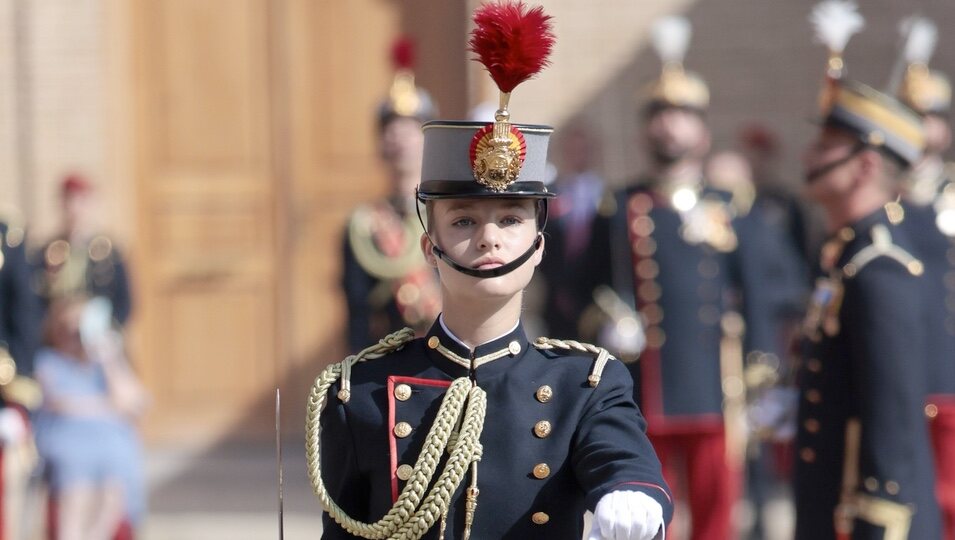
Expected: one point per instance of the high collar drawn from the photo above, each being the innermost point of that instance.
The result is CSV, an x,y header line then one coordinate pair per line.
x,y
490,358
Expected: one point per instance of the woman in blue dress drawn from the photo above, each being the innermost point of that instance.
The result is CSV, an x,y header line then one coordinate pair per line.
x,y
85,429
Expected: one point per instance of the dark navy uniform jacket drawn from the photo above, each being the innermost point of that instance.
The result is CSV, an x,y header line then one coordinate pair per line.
x,y
596,444
106,273
937,253
869,365
19,306
683,290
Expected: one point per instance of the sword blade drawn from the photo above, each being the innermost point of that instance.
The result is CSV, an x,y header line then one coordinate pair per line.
x,y
278,459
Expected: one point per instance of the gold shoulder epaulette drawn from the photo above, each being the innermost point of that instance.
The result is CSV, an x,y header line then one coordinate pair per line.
x,y
361,239
569,345
882,246
390,343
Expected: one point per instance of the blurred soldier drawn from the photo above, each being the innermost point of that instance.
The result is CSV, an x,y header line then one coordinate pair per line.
x,y
670,244
928,194
864,465
772,306
81,260
472,431
20,315
579,193
387,283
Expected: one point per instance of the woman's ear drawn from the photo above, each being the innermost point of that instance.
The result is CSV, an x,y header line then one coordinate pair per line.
x,y
427,248
539,252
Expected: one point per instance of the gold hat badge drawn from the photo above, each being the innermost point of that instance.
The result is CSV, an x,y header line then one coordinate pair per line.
x,y
513,43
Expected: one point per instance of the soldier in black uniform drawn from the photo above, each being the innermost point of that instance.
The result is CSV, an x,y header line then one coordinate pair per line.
x,y
928,199
673,246
82,261
20,317
864,461
473,430
19,306
386,281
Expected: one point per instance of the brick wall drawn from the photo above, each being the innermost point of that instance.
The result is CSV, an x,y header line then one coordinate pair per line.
x,y
52,104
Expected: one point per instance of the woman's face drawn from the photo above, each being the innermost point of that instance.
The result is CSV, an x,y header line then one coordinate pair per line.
x,y
483,234
66,337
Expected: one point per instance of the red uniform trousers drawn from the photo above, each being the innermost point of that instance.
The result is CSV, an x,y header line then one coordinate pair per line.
x,y
942,430
711,484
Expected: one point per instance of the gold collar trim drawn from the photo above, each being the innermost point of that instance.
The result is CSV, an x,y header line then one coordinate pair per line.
x,y
513,349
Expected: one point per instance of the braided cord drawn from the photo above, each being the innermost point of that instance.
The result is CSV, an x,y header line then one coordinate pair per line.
x,y
603,356
406,520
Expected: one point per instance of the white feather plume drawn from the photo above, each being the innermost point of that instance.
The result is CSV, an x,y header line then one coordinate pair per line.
x,y
921,35
671,38
834,22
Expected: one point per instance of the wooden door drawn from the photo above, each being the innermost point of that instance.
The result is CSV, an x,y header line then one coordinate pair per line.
x,y
206,252
255,136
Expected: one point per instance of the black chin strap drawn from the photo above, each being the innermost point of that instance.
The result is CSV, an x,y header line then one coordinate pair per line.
x,y
490,272
818,172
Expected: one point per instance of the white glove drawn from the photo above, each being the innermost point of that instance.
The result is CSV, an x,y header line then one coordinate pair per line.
x,y
627,515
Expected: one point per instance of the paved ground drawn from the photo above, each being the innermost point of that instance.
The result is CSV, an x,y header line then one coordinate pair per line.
x,y
229,493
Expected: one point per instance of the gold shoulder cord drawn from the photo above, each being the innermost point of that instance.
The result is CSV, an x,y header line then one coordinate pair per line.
x,y
410,517
370,258
603,356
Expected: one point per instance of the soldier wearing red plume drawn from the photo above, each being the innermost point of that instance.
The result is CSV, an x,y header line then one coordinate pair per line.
x,y
474,431
386,281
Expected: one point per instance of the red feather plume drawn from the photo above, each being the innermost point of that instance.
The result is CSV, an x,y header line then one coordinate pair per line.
x,y
402,53
511,41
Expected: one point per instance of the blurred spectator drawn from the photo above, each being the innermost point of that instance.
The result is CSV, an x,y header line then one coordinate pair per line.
x,y
772,307
19,336
80,260
780,205
580,190
85,428
387,283
19,308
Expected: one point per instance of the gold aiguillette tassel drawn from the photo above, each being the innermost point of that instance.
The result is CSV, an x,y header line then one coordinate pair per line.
x,y
470,503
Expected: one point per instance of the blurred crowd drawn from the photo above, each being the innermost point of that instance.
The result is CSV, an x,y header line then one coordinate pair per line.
x,y
791,334
70,457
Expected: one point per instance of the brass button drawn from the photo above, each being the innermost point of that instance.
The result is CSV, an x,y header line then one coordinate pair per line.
x,y
811,425
892,487
871,484
433,342
641,203
544,393
541,471
656,337
542,429
652,313
648,269
642,226
514,348
645,246
540,518
814,365
808,455
402,429
404,472
813,396
649,291
931,410
402,392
